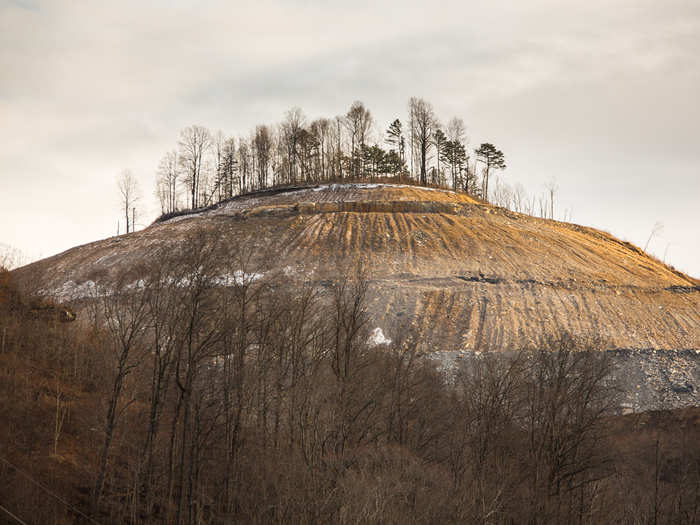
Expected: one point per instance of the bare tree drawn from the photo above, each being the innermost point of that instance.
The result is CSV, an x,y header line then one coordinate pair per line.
x,y
167,179
245,165
655,231
321,130
568,395
519,198
194,143
552,188
358,121
263,151
291,134
338,132
456,130
423,122
128,193
123,312
11,257
488,393
308,155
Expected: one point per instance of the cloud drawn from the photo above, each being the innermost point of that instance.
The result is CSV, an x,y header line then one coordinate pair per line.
x,y
603,99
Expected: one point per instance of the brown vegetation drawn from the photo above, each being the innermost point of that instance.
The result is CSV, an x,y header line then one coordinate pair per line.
x,y
196,391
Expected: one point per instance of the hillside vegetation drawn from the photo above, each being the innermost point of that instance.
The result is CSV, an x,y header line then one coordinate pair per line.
x,y
180,400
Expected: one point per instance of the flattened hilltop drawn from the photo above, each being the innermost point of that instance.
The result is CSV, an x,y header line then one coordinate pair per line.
x,y
466,275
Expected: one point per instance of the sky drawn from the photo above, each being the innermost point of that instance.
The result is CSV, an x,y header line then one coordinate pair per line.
x,y
601,97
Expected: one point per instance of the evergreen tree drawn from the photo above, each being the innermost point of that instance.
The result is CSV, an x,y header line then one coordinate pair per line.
x,y
393,163
493,159
395,138
454,154
440,141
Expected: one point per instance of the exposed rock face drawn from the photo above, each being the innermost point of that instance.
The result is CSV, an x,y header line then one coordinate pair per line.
x,y
658,379
648,379
466,276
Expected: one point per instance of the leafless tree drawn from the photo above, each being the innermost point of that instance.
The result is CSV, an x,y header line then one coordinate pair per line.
x,y
358,121
502,194
552,188
338,152
568,395
128,193
655,231
245,165
11,257
488,404
307,154
291,134
456,130
543,205
194,143
167,179
263,142
423,123
123,311
321,129
519,198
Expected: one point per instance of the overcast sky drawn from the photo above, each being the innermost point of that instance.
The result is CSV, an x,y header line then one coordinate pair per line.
x,y
601,96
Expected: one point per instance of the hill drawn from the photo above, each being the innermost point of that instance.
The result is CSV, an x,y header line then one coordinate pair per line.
x,y
463,275
221,367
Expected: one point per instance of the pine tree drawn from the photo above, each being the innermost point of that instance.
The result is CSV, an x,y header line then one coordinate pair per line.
x,y
395,138
454,154
493,159
440,141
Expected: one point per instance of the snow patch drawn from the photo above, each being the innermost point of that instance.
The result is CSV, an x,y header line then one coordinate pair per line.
x,y
377,338
239,277
250,201
70,290
183,217
369,186
136,284
363,186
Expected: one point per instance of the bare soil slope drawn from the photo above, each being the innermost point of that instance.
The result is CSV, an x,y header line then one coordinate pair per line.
x,y
466,275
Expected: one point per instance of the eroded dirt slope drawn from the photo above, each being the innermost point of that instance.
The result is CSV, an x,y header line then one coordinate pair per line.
x,y
467,276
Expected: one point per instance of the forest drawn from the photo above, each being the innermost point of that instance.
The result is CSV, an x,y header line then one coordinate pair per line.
x,y
206,388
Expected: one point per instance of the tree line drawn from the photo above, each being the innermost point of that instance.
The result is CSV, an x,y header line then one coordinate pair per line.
x,y
207,167
207,389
